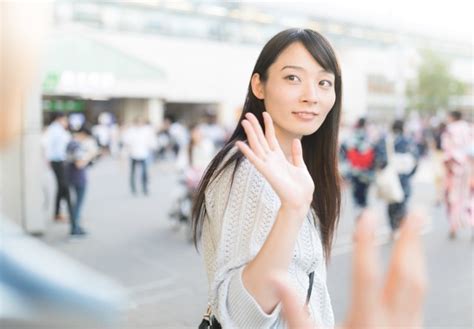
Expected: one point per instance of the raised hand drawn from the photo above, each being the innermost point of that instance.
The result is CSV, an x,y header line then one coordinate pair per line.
x,y
393,301
290,179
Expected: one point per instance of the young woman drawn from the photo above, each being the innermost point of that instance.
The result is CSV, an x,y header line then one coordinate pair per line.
x,y
270,199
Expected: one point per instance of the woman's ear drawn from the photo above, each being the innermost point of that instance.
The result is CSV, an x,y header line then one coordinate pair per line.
x,y
257,86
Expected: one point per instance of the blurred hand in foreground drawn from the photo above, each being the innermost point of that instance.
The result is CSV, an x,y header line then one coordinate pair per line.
x,y
393,300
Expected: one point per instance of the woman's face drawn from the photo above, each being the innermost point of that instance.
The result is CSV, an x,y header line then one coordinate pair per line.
x,y
298,93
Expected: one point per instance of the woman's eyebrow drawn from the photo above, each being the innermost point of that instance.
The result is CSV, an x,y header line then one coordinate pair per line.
x,y
299,68
293,67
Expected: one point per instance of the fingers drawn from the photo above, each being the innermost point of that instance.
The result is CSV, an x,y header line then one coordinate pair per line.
x,y
253,139
258,131
270,131
293,310
297,153
365,275
405,286
249,154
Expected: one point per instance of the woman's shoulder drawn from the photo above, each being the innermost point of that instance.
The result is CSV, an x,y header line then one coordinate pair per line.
x,y
237,183
235,172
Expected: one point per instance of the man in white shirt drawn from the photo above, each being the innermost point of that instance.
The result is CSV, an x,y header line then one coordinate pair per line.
x,y
55,144
139,140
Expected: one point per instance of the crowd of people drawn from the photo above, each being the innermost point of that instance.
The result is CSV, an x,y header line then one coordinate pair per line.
x,y
365,151
71,145
447,144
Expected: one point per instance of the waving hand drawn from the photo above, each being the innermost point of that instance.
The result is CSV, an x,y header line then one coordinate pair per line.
x,y
290,179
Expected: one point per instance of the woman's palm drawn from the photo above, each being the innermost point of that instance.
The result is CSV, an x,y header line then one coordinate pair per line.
x,y
290,179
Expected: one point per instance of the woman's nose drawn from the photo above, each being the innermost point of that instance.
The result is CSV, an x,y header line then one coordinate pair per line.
x,y
310,94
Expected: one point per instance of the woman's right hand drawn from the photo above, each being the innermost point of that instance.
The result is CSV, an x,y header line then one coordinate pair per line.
x,y
393,301
290,180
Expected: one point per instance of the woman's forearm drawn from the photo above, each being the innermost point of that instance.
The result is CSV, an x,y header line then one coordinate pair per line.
x,y
275,255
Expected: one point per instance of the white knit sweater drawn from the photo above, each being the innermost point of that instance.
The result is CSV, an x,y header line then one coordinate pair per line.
x,y
239,217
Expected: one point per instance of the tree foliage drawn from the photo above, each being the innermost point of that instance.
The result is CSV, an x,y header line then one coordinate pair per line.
x,y
434,85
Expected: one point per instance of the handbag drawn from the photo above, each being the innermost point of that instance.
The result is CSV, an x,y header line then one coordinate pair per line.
x,y
387,181
388,185
403,163
210,322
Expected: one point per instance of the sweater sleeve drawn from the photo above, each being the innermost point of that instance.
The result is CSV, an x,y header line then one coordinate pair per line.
x,y
245,219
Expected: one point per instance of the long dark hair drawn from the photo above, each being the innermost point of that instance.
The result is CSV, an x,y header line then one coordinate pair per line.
x,y
319,148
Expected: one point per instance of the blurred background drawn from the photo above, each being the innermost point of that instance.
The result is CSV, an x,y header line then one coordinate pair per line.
x,y
146,92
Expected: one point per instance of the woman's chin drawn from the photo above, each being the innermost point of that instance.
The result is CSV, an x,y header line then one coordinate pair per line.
x,y
308,131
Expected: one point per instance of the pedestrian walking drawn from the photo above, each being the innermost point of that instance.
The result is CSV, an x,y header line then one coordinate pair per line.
x,y
55,142
140,142
81,150
359,153
404,159
456,144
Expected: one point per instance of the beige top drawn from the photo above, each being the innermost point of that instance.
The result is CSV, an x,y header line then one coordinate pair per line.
x,y
239,217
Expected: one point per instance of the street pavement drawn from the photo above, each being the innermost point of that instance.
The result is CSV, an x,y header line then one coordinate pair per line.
x,y
132,241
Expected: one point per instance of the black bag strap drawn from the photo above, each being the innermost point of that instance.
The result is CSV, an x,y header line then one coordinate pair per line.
x,y
209,321
310,288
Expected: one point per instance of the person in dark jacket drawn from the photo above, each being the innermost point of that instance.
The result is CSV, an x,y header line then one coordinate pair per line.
x,y
361,156
80,152
404,158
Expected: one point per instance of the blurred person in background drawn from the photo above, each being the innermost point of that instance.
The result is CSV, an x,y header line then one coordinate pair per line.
x,y
166,143
139,141
81,151
179,135
456,144
437,161
360,155
105,132
55,141
415,128
212,131
344,167
201,149
471,185
404,157
76,120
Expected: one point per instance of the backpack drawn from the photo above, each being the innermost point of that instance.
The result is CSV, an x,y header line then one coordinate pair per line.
x,y
362,160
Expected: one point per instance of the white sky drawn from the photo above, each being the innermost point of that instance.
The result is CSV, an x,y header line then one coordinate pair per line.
x,y
444,18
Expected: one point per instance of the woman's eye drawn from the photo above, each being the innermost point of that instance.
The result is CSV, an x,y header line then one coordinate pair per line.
x,y
325,83
292,78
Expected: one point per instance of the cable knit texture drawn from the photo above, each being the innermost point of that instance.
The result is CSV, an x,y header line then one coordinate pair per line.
x,y
239,217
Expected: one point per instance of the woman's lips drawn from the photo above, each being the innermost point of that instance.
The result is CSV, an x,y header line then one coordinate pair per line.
x,y
306,116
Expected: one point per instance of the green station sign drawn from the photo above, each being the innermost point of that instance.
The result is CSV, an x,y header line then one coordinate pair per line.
x,y
63,105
